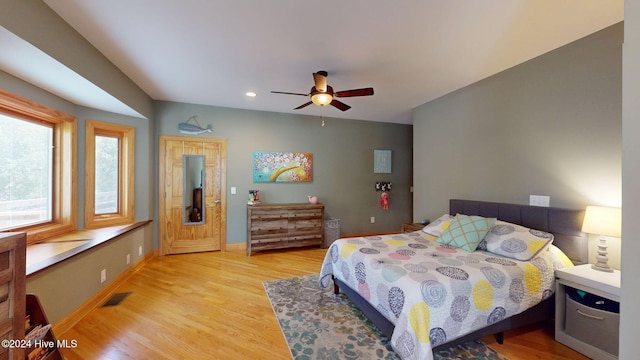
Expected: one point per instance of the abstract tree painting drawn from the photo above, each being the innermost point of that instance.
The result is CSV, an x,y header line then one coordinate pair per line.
x,y
282,167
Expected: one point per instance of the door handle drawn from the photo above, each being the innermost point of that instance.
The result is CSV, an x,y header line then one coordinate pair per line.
x,y
217,201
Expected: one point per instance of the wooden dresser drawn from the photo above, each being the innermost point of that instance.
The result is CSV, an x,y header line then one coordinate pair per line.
x,y
12,292
276,226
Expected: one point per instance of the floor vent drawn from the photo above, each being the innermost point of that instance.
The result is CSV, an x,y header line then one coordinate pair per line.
x,y
116,299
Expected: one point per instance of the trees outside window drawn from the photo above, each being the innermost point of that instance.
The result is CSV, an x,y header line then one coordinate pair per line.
x,y
37,168
109,180
26,173
107,174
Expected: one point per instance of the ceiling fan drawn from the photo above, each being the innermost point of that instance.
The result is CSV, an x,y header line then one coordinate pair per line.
x,y
322,94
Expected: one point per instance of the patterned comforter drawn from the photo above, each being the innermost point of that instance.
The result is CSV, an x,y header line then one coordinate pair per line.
x,y
434,293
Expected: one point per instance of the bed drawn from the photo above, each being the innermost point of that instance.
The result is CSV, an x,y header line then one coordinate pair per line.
x,y
391,278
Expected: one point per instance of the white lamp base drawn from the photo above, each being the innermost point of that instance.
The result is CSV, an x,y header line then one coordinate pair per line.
x,y
601,264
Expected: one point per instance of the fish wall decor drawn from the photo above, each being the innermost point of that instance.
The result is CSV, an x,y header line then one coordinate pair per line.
x,y
193,129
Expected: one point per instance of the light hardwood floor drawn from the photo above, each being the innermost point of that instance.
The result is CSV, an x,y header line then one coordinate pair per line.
x,y
213,306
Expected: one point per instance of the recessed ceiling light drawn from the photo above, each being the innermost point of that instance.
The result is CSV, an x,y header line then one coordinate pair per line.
x,y
251,94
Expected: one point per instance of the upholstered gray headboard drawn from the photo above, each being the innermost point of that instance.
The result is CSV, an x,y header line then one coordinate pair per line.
x,y
564,224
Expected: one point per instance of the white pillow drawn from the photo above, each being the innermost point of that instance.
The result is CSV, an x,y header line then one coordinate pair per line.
x,y
515,241
438,226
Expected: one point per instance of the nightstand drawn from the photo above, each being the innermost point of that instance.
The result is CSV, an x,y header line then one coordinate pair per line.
x,y
411,227
586,320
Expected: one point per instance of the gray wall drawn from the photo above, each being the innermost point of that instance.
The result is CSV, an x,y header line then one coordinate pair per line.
x,y
629,311
550,126
342,151
35,22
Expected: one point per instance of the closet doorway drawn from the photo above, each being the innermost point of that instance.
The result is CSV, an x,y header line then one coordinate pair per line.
x,y
192,194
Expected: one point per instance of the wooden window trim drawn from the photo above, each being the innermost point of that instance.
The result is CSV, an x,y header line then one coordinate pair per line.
x,y
64,153
125,214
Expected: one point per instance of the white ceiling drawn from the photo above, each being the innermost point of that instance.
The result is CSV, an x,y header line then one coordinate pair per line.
x,y
213,51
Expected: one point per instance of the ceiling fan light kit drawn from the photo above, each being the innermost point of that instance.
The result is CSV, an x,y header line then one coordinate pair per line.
x,y
321,98
322,94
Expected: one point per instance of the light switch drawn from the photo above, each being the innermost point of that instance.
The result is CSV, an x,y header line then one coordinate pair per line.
x,y
539,200
233,190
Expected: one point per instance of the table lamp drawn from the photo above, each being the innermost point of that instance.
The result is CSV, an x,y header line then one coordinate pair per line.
x,y
604,221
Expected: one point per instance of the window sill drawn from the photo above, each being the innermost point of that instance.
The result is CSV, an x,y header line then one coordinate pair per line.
x,y
57,249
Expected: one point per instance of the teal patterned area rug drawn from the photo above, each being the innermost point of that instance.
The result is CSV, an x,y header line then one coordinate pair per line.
x,y
320,325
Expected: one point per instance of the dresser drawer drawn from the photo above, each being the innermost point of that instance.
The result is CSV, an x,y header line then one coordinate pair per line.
x,y
305,240
268,215
261,226
305,224
305,213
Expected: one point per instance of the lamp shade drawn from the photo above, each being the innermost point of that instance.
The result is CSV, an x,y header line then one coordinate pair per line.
x,y
602,220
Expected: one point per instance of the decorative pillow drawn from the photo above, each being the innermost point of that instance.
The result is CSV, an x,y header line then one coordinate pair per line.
x,y
439,225
465,232
515,241
561,260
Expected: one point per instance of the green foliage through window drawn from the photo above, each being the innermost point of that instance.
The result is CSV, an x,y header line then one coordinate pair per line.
x,y
26,172
107,163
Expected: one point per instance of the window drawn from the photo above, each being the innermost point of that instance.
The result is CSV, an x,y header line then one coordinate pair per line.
x,y
37,168
26,172
106,177
110,180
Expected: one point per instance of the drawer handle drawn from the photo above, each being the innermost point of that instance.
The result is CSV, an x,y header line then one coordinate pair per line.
x,y
589,315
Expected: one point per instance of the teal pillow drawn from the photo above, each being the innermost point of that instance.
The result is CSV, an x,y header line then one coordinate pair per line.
x,y
466,232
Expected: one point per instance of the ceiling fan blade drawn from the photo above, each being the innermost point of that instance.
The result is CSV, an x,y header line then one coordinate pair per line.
x,y
355,92
288,93
320,79
303,105
340,105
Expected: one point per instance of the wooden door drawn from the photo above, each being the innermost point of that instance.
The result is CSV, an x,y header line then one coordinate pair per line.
x,y
176,237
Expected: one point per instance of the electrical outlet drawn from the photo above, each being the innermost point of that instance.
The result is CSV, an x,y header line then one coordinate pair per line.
x,y
373,219
128,259
103,275
539,200
140,250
